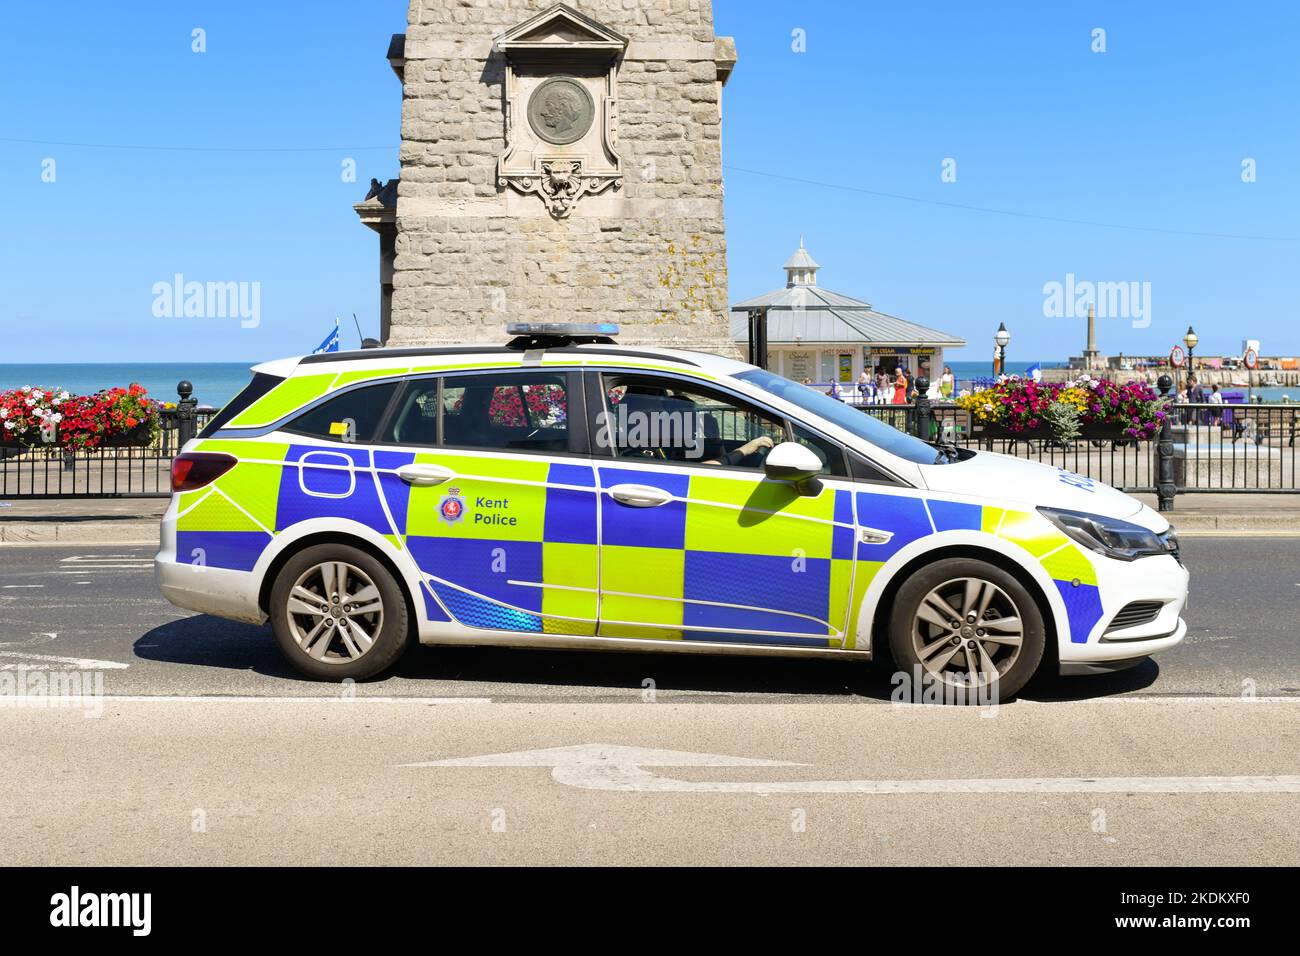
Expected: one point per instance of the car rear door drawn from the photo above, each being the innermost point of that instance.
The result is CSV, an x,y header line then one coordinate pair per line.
x,y
496,497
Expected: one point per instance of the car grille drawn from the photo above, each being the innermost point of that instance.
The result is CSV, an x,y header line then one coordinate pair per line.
x,y
1138,612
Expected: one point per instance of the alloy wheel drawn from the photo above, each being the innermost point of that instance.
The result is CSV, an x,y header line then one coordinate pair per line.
x,y
967,632
335,612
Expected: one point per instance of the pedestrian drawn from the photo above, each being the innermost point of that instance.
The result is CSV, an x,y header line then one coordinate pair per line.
x,y
1216,414
900,387
864,388
946,384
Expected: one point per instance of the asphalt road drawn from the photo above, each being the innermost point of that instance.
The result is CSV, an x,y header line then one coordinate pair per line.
x,y
101,604
206,749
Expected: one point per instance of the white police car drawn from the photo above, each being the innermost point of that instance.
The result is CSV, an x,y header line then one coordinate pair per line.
x,y
564,491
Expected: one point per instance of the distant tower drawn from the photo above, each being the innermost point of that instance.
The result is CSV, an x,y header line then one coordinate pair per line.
x,y
800,268
1091,355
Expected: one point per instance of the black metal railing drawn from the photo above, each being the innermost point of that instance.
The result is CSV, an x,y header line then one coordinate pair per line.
x,y
1215,448
125,471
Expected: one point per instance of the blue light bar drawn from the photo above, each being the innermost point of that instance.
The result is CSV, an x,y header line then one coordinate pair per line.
x,y
562,328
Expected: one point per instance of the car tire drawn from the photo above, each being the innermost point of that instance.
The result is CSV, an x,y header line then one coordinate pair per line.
x,y
330,633
990,607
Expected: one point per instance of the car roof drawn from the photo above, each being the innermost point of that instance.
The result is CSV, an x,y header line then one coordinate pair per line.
x,y
476,356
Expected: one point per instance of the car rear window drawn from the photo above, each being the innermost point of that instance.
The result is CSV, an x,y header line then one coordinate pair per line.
x,y
259,386
352,416
519,411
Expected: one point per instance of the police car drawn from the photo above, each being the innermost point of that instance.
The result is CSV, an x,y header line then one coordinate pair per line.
x,y
563,491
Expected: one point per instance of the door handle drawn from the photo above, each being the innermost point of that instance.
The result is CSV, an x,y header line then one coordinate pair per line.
x,y
640,496
425,474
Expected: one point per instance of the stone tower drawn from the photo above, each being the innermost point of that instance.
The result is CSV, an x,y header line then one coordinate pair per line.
x,y
560,162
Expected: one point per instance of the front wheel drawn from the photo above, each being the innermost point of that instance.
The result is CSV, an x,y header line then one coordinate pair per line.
x,y
970,626
338,613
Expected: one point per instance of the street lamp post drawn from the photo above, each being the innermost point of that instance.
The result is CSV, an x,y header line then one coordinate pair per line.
x,y
1190,340
1002,338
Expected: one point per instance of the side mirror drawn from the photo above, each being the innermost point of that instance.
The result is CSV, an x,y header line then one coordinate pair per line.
x,y
790,461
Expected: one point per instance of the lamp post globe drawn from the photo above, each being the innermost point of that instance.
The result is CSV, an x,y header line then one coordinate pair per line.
x,y
1002,338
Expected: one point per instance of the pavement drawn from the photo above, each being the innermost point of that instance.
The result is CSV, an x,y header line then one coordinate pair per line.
x,y
135,520
51,520
329,784
181,738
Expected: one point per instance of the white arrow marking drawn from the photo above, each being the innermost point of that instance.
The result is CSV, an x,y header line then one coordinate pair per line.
x,y
611,767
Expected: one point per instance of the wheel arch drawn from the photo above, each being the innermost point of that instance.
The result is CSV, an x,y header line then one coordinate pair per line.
x,y
888,588
415,613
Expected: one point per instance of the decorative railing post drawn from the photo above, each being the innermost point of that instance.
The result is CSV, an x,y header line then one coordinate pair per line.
x,y
924,413
186,413
1166,487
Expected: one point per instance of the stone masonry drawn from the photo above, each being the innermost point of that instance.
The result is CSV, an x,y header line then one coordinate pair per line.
x,y
649,252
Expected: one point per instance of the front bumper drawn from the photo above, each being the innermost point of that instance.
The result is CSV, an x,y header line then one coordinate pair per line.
x,y
1156,579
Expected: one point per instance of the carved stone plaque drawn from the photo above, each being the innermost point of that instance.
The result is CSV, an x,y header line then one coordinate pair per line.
x,y
561,111
561,115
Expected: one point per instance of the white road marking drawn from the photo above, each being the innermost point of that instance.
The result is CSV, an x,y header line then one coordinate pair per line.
x,y
616,768
77,558
1183,699
13,587
81,663
108,567
214,699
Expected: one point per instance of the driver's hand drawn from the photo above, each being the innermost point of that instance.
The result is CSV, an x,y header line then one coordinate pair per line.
x,y
754,444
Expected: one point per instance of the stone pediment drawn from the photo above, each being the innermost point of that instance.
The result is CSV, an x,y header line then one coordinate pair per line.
x,y
560,29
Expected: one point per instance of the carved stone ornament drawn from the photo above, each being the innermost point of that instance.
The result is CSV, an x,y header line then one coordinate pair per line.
x,y
561,71
560,111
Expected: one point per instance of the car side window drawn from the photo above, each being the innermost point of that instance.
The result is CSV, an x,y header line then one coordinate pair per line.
x,y
669,420
353,416
415,421
511,411
830,453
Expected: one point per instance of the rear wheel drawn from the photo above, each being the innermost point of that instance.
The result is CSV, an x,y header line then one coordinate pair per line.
x,y
338,613
970,626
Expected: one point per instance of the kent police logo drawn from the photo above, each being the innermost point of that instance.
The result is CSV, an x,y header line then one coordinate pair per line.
x,y
452,508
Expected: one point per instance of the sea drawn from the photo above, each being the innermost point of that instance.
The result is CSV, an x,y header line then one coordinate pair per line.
x,y
215,383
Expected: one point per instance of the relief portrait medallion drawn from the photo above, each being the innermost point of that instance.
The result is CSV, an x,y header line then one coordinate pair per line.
x,y
561,110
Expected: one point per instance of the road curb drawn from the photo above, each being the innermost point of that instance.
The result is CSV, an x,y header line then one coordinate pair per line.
x,y
131,531
1277,522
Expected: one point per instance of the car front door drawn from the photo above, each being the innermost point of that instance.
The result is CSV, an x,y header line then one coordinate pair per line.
x,y
696,543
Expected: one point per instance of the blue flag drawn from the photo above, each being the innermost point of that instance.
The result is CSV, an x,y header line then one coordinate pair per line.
x,y
331,343
1034,371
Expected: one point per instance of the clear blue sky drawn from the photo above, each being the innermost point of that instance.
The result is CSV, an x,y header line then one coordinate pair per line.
x,y
1150,134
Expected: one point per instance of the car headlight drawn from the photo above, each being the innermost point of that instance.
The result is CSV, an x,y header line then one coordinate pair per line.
x,y
1110,536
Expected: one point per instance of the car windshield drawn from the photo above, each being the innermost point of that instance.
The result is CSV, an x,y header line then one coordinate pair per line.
x,y
860,423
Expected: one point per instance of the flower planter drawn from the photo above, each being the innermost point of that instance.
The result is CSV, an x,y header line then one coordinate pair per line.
x,y
1087,431
139,437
